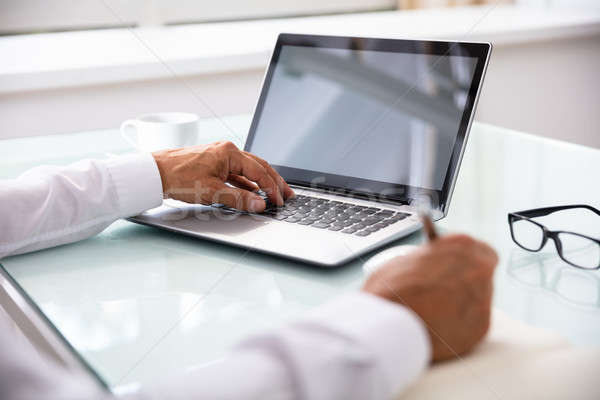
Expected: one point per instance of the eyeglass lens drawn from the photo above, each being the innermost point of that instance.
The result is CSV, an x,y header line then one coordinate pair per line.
x,y
580,250
527,234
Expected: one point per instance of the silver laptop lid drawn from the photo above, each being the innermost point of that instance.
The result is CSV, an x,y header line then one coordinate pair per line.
x,y
378,118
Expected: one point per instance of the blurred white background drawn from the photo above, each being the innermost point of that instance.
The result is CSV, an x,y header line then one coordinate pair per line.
x,y
72,65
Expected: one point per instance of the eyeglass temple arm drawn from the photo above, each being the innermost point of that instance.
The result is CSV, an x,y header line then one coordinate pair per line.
x,y
540,212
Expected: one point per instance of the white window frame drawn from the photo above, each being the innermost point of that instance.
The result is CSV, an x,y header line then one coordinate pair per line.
x,y
27,16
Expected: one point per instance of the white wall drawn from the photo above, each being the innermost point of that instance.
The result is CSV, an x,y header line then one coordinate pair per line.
x,y
97,107
549,88
588,4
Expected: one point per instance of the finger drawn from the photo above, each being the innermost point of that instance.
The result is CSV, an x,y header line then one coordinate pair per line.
x,y
281,185
285,189
240,164
242,183
475,255
237,198
488,253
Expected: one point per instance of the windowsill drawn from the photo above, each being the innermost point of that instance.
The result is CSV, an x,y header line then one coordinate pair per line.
x,y
71,59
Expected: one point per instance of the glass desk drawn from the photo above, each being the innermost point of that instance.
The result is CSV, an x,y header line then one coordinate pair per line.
x,y
137,302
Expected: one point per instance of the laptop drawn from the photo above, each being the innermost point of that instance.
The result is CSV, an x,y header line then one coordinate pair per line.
x,y
365,131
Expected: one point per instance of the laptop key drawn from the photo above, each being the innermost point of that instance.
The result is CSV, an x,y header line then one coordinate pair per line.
x,y
320,225
369,221
397,218
349,230
279,217
386,212
292,219
335,228
363,233
305,222
313,217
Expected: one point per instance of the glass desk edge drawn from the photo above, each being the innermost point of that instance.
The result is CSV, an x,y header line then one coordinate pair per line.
x,y
33,323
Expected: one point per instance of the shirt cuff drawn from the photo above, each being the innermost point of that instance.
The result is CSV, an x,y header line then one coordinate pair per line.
x,y
396,336
137,183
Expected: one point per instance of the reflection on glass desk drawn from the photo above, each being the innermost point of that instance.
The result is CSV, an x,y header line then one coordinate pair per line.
x,y
548,273
137,302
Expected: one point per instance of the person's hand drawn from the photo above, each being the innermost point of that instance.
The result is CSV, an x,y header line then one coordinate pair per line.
x,y
448,283
199,175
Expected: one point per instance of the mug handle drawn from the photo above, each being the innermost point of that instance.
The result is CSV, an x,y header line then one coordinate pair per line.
x,y
131,139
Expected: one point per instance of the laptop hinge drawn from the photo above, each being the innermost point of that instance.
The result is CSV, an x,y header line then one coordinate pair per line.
x,y
350,194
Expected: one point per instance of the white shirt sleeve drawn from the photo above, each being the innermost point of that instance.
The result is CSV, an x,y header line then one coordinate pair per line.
x,y
356,347
48,206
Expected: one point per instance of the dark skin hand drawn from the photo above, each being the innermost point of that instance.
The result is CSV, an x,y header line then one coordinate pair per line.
x,y
448,283
199,175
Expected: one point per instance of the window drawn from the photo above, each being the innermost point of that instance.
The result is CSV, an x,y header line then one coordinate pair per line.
x,y
27,16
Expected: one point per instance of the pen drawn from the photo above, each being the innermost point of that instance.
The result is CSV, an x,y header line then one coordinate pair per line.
x,y
428,226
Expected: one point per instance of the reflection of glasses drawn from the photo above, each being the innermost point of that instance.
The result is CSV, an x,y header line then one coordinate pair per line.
x,y
545,271
579,250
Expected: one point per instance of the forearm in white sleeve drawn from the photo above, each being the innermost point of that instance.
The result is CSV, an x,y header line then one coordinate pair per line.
x,y
359,347
49,206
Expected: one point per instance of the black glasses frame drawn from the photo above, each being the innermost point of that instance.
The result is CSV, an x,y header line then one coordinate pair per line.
x,y
548,234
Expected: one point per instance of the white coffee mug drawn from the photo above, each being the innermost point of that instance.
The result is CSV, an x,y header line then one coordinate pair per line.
x,y
168,130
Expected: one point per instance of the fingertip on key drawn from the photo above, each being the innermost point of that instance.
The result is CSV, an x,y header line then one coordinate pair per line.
x,y
257,205
289,193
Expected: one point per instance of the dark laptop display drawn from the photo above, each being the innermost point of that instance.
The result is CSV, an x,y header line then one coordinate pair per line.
x,y
368,115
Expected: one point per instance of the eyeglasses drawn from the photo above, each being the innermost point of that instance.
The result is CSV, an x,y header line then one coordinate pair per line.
x,y
578,250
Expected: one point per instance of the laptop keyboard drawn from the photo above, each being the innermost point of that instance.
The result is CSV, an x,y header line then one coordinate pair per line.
x,y
333,215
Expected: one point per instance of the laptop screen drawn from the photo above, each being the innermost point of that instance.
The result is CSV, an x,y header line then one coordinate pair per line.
x,y
368,115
